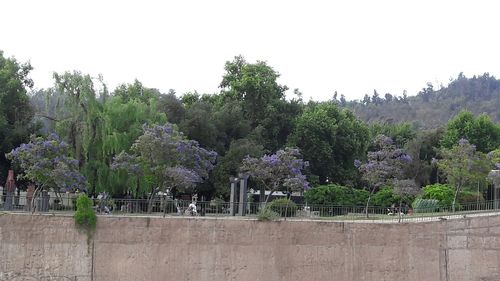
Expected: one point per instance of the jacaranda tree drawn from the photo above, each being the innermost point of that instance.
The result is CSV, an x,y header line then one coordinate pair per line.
x,y
45,162
384,165
280,171
167,159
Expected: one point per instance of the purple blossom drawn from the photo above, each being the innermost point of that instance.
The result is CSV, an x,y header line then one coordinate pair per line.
x,y
46,161
357,163
405,158
497,166
277,171
463,141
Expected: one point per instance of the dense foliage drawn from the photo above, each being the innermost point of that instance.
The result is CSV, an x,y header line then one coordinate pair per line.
x,y
279,171
135,139
441,192
434,105
338,195
46,163
85,216
16,113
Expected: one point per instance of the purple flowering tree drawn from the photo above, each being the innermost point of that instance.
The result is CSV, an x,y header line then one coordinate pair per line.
x,y
167,159
384,166
46,163
280,171
463,166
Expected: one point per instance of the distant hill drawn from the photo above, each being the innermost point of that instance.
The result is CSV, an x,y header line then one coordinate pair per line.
x,y
432,108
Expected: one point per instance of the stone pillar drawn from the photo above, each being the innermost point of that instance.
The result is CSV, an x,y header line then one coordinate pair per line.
x,y
29,196
233,197
10,187
243,195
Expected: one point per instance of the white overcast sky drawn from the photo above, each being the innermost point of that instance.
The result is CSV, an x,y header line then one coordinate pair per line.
x,y
317,46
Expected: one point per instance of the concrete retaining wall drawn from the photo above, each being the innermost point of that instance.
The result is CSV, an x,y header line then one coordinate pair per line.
x,y
133,249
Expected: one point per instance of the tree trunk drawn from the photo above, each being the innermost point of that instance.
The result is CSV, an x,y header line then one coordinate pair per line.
x,y
368,201
268,196
399,210
457,191
150,201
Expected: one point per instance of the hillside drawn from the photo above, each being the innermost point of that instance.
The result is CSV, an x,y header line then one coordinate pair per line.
x,y
431,108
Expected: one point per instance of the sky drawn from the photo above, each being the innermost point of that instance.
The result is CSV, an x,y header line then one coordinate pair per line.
x,y
351,47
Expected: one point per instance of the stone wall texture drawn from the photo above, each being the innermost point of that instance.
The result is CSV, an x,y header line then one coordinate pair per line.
x,y
35,247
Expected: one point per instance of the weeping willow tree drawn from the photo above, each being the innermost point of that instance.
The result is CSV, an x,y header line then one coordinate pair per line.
x,y
97,126
80,119
124,119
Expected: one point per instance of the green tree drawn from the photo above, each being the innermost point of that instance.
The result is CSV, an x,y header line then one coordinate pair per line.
x,y
262,101
331,139
480,131
401,133
463,166
16,113
228,164
123,124
254,84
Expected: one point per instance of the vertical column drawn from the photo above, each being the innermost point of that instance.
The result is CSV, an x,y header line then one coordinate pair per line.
x,y
243,195
233,196
10,186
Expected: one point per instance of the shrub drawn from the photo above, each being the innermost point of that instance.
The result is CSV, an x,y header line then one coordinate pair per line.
x,y
425,205
217,205
385,197
266,214
441,192
333,194
85,216
469,197
283,207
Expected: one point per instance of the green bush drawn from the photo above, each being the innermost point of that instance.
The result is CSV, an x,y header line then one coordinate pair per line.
x,y
283,207
385,197
441,192
267,214
85,216
338,195
470,197
425,205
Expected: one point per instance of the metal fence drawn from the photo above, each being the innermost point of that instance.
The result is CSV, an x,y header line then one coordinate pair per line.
x,y
216,208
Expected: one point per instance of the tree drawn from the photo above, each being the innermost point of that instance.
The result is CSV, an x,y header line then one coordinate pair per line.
x,y
494,157
122,124
384,167
46,163
280,171
228,164
463,165
163,155
16,113
262,100
254,84
400,133
333,194
331,139
172,106
480,131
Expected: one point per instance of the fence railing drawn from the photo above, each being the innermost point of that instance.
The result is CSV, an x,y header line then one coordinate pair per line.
x,y
169,207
